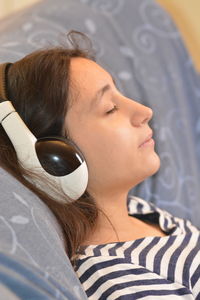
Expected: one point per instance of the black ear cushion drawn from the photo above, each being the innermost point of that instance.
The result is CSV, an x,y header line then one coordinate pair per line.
x,y
58,156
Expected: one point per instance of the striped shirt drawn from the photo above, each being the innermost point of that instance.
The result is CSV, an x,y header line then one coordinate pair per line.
x,y
164,268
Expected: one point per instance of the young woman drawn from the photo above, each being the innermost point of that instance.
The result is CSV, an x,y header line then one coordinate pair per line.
x,y
119,249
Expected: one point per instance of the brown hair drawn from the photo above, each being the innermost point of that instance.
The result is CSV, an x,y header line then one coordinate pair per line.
x,y
38,86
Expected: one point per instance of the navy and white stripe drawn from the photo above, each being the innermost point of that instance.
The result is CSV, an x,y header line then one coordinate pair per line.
x,y
148,268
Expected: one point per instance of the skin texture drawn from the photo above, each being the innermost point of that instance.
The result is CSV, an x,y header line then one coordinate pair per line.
x,y
110,144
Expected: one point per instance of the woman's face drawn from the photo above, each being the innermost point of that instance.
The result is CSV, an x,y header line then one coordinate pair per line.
x,y
108,138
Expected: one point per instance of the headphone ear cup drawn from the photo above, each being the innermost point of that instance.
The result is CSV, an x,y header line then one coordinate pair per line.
x,y
58,156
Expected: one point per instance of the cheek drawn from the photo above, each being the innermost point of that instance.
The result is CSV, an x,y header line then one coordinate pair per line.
x,y
110,148
105,146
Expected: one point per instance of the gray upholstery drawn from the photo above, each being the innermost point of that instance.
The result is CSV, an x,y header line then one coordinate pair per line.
x,y
138,43
30,233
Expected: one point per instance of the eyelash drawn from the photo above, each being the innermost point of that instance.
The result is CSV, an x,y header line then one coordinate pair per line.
x,y
112,110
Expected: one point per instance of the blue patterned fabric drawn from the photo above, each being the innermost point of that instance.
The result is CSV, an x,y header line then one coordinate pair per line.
x,y
32,254
137,42
23,281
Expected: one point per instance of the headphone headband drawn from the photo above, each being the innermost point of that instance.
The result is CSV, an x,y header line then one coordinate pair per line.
x,y
3,68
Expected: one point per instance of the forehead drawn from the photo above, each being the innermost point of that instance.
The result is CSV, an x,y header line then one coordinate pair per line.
x,y
86,75
86,78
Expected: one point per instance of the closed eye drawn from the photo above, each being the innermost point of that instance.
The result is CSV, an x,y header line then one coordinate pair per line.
x,y
112,110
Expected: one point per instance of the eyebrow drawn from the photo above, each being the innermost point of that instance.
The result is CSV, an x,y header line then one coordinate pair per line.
x,y
99,94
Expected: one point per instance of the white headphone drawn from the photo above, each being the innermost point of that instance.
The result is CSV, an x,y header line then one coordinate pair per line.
x,y
56,158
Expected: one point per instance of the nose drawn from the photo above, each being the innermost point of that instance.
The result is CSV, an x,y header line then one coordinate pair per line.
x,y
141,114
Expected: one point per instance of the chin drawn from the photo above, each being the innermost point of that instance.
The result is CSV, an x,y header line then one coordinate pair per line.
x,y
154,164
147,169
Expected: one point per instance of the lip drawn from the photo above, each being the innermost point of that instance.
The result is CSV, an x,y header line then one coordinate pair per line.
x,y
148,138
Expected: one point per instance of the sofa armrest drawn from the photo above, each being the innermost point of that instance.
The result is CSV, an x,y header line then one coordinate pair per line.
x,y
20,280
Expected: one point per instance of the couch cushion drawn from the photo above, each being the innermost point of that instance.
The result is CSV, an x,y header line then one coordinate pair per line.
x,y
29,233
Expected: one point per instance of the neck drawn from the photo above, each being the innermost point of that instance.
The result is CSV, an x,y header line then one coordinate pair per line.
x,y
113,212
113,223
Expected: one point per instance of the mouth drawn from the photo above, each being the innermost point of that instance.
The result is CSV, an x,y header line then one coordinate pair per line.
x,y
148,140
